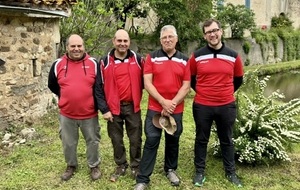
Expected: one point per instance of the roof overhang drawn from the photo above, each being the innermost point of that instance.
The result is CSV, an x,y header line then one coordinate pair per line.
x,y
34,12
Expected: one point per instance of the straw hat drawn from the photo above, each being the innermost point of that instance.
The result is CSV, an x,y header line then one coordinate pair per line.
x,y
165,122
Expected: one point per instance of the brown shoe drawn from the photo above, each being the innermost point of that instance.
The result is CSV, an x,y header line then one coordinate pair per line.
x,y
120,170
134,172
95,173
68,173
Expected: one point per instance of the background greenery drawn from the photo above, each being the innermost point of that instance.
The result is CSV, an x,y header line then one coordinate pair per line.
x,y
39,163
97,20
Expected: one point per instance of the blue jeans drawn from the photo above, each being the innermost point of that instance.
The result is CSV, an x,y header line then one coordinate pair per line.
x,y
224,117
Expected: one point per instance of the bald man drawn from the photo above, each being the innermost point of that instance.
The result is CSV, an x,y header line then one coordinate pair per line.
x,y
123,84
72,78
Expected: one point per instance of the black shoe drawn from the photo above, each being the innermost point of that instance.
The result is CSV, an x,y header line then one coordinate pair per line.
x,y
199,179
233,178
68,173
95,173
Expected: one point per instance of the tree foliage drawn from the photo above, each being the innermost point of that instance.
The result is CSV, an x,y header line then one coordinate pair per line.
x,y
238,17
265,128
185,15
92,22
97,20
124,9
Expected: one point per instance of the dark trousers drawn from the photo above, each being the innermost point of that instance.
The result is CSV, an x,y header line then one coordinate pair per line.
x,y
133,126
153,136
224,117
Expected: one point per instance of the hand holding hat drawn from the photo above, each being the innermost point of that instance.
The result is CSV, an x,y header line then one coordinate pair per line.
x,y
167,123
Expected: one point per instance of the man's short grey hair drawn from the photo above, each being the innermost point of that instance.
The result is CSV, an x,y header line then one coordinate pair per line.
x,y
168,27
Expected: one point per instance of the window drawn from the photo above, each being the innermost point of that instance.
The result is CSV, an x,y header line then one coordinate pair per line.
x,y
247,4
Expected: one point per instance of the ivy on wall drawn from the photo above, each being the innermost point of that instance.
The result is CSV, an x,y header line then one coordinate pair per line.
x,y
290,38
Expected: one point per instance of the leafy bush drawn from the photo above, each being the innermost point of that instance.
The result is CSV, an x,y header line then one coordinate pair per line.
x,y
246,47
265,127
247,62
281,21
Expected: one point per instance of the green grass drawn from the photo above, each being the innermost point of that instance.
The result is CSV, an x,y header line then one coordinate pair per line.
x,y
39,163
268,69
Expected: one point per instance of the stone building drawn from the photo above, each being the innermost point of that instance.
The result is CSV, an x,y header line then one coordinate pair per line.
x,y
266,9
29,38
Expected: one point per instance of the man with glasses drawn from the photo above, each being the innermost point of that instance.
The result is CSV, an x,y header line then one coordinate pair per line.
x,y
167,80
217,72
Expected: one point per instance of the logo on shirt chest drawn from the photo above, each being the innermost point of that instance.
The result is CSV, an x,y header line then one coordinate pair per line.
x,y
204,61
158,63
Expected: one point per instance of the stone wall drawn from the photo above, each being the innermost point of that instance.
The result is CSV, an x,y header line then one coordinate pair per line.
x,y
256,55
28,47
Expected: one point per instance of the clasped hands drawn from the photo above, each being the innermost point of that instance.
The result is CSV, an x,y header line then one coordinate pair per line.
x,y
169,107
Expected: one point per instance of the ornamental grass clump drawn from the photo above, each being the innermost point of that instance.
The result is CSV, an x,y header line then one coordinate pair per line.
x,y
265,127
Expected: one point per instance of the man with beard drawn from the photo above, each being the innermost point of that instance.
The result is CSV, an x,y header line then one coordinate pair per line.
x,y
167,80
217,72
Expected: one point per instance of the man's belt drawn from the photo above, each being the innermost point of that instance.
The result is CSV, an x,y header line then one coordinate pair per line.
x,y
125,103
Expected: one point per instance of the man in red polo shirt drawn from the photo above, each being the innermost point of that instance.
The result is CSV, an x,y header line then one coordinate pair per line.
x,y
217,72
122,71
167,80
72,78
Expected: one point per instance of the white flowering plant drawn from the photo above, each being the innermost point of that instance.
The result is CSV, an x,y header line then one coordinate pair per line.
x,y
265,127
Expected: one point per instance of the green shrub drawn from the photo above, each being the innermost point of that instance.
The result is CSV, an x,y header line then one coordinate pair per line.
x,y
259,36
247,62
246,47
281,21
297,44
274,39
264,128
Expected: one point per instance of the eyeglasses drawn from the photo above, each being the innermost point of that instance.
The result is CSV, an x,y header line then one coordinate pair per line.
x,y
166,37
212,31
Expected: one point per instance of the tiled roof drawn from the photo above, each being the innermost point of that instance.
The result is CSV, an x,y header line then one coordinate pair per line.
x,y
40,4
